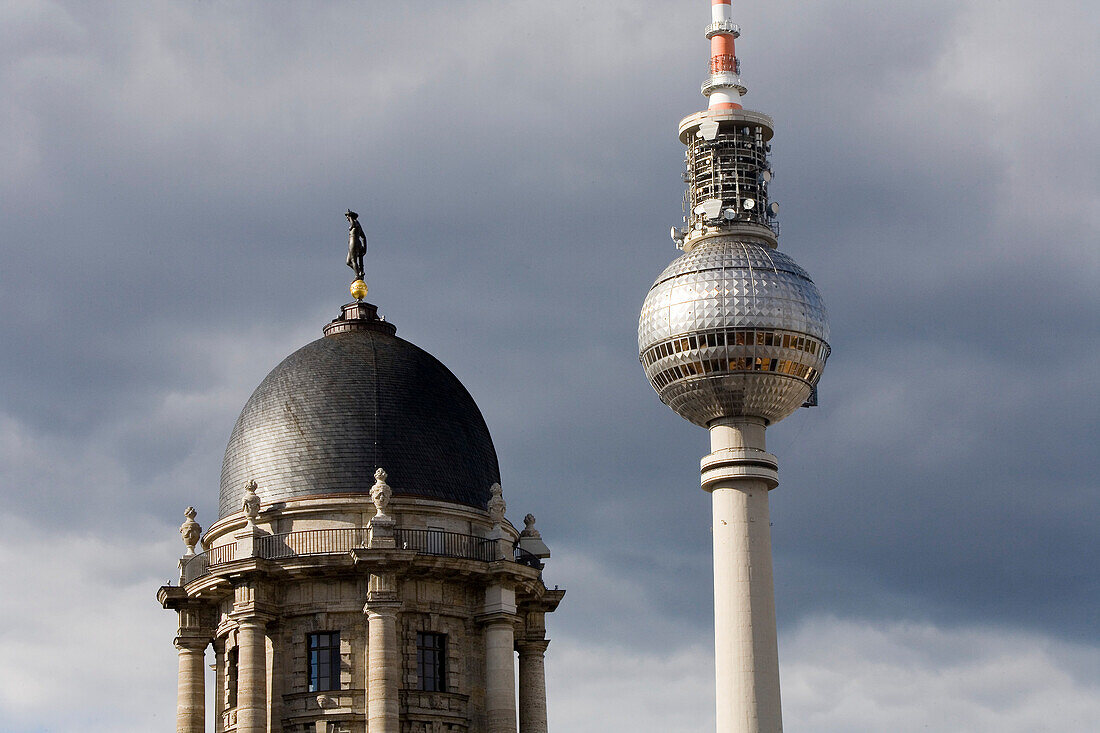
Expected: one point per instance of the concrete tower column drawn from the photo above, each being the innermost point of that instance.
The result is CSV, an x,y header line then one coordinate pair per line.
x,y
383,668
500,682
191,686
532,686
739,473
251,675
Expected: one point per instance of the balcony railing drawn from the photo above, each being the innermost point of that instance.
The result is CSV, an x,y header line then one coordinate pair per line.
x,y
523,557
222,554
313,542
194,567
447,544
310,542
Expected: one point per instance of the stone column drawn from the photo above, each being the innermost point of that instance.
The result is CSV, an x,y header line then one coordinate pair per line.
x,y
191,687
739,474
219,684
532,686
251,676
500,678
383,668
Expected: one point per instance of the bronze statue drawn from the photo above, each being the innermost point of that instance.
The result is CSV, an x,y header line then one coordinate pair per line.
x,y
357,244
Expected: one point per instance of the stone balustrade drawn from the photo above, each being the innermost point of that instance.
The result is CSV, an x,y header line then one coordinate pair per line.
x,y
343,540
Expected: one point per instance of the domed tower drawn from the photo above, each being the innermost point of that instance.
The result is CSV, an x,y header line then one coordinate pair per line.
x,y
733,336
361,575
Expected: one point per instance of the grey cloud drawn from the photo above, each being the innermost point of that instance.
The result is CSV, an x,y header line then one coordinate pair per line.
x,y
171,228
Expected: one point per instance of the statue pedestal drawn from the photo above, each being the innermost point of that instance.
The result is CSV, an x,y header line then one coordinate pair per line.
x,y
247,545
380,532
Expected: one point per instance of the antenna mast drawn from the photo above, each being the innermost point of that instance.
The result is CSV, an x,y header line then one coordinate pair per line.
x,y
724,86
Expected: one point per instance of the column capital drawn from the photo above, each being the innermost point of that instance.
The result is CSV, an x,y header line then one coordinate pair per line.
x,y
500,598
251,618
382,608
532,646
192,643
382,591
196,626
498,618
253,597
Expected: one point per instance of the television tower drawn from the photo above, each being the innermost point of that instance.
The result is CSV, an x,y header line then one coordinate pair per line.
x,y
733,336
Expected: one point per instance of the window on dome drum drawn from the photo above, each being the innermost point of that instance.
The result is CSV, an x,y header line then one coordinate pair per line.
x,y
324,661
231,667
431,661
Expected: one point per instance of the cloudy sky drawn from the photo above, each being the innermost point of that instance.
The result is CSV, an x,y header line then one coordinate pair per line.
x,y
172,182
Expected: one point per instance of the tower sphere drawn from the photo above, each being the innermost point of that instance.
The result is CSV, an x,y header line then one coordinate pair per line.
x,y
733,328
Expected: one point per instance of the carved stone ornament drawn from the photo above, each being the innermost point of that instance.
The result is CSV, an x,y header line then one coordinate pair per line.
x,y
529,527
325,702
381,492
251,504
190,530
497,507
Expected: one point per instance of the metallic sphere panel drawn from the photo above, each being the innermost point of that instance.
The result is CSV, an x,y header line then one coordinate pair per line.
x,y
733,328
727,283
705,399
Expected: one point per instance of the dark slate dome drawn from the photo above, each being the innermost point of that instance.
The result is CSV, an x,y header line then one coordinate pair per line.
x,y
358,399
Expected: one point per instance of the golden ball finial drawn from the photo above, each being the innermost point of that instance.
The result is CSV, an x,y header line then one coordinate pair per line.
x,y
358,290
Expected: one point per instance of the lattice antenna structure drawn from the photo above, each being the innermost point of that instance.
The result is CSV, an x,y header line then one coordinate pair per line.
x,y
726,166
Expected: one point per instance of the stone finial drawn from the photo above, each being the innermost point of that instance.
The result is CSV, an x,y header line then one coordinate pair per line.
x,y
497,507
251,503
529,527
381,492
190,531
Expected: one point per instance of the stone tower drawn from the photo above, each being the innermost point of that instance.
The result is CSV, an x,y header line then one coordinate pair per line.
x,y
361,576
733,336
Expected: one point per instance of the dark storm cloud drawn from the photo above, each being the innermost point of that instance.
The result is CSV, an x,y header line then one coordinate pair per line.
x,y
172,228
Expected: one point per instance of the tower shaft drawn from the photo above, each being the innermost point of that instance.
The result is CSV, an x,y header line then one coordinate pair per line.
x,y
739,473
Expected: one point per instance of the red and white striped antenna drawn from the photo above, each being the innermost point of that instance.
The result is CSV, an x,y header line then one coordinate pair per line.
x,y
723,87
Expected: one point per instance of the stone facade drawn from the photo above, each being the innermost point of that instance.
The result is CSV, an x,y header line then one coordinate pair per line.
x,y
323,565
